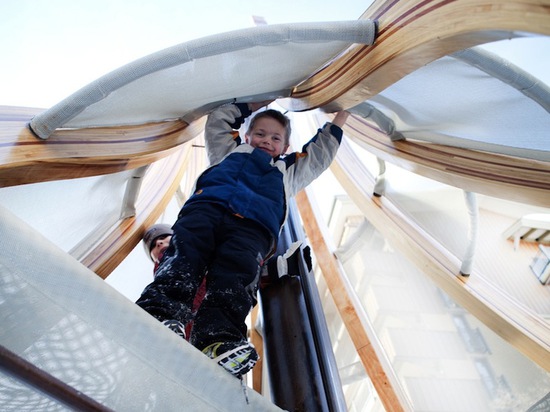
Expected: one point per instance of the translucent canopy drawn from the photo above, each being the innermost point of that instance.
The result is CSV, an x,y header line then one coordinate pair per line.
x,y
261,63
473,99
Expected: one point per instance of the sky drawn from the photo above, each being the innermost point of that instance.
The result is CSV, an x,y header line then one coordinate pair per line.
x,y
52,48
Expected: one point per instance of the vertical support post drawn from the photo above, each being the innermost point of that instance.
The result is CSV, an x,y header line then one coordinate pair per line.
x,y
294,375
302,370
468,260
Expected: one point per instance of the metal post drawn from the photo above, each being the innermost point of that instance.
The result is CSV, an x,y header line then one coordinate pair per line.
x,y
302,369
294,375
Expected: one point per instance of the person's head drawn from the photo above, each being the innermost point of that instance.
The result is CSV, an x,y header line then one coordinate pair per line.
x,y
269,131
156,240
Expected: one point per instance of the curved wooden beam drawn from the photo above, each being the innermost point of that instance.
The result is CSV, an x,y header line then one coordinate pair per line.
x,y
70,154
511,320
410,35
506,177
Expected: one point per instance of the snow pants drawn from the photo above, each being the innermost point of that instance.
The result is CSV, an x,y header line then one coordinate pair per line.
x,y
209,239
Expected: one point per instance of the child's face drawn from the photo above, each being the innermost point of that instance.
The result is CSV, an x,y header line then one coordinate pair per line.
x,y
159,246
268,135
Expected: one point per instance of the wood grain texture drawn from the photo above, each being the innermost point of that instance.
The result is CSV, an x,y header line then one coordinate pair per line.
x,y
258,343
505,177
75,153
412,34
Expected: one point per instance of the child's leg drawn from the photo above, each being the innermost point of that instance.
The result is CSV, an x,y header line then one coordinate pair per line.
x,y
170,295
231,283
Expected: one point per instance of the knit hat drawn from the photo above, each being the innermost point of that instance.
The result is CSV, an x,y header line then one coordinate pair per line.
x,y
153,233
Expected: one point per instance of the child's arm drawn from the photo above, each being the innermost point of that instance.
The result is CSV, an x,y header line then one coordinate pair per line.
x,y
219,135
340,118
218,132
317,154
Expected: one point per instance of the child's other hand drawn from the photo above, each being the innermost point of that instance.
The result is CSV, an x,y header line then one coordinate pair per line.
x,y
340,118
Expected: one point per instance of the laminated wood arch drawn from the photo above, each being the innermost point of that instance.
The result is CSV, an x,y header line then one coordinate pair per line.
x,y
410,35
506,177
75,153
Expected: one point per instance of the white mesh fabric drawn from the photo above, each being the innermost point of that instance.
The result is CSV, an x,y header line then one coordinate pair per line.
x,y
170,83
67,321
67,211
451,102
509,73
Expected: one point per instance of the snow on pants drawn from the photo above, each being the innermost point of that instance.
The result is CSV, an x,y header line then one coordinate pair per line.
x,y
209,239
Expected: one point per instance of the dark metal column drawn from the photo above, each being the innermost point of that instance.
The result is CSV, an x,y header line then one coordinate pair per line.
x,y
294,375
302,370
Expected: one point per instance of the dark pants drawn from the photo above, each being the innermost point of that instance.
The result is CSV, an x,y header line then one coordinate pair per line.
x,y
208,238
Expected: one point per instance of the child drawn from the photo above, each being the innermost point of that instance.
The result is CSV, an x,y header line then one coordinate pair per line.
x,y
230,226
156,240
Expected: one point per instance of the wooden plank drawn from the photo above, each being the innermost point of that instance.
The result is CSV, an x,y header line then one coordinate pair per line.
x,y
412,34
506,177
334,278
258,343
74,153
523,328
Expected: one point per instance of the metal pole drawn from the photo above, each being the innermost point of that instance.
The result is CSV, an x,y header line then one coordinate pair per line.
x,y
302,370
294,375
327,361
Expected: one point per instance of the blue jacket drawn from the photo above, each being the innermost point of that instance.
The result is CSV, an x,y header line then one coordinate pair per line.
x,y
248,181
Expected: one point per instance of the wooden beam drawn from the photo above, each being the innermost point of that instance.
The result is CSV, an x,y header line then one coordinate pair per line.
x,y
258,343
155,194
412,34
337,286
74,153
506,177
160,184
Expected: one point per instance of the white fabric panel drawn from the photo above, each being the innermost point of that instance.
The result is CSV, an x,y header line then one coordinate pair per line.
x,y
509,73
266,61
451,102
67,211
67,321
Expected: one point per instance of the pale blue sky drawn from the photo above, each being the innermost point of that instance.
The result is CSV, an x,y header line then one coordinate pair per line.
x,y
50,49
